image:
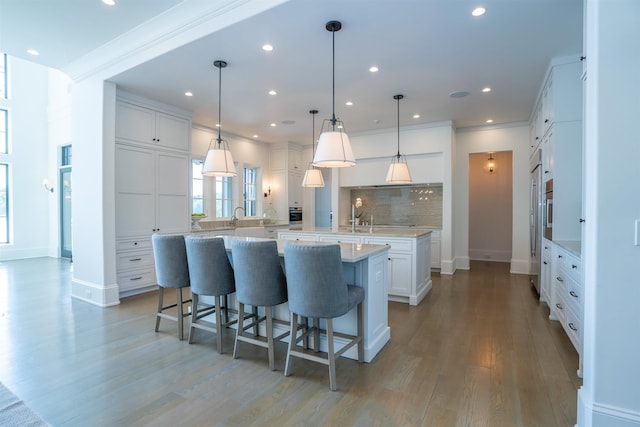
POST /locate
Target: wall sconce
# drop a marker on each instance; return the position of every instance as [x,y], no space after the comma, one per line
[268,192]
[490,164]
[45,182]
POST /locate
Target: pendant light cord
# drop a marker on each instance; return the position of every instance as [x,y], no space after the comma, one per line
[219,103]
[333,76]
[398,127]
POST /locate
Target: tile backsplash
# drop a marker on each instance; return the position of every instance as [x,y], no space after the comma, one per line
[411,205]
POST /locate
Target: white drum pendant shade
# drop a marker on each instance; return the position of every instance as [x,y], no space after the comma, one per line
[334,151]
[218,163]
[313,178]
[398,173]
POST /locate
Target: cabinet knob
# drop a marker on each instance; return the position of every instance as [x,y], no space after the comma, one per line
[582,220]
[574,266]
[559,256]
[544,262]
[546,120]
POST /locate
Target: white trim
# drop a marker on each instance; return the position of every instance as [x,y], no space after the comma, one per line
[520,266]
[100,295]
[589,410]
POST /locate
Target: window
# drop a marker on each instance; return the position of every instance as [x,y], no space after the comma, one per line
[3,75]
[4,141]
[224,192]
[197,192]
[249,191]
[65,155]
[4,203]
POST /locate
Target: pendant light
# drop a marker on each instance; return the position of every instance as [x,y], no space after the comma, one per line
[398,172]
[219,161]
[313,176]
[334,148]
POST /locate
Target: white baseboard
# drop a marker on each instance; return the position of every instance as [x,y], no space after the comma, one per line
[9,252]
[100,295]
[594,414]
[520,266]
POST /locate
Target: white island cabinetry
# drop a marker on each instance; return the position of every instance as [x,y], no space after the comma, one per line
[409,256]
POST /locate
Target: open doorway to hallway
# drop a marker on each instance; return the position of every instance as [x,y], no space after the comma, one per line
[490,206]
[64,183]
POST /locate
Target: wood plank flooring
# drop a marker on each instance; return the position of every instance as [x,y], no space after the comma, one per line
[478,351]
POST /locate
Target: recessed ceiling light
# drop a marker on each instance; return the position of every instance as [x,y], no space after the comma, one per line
[267,47]
[188,93]
[273,125]
[217,125]
[458,94]
[348,103]
[272,92]
[416,116]
[374,69]
[33,52]
[109,2]
[490,121]
[255,136]
[478,11]
[288,122]
[486,89]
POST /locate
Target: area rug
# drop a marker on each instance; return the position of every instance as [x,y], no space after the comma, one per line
[14,412]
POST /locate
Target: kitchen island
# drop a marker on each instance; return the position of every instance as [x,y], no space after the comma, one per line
[409,256]
[364,265]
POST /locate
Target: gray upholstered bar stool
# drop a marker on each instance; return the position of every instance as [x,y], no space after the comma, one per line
[170,256]
[210,274]
[317,289]
[260,282]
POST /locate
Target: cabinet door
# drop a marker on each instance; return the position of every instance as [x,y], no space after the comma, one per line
[172,131]
[135,191]
[295,160]
[399,274]
[172,193]
[135,123]
[547,157]
[295,189]
[547,105]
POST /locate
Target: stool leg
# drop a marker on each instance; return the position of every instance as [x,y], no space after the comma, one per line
[160,302]
[240,327]
[331,355]
[194,316]
[218,324]
[360,334]
[255,327]
[316,334]
[270,349]
[292,342]
[226,309]
[180,317]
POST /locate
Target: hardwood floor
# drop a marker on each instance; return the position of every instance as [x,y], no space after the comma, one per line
[478,351]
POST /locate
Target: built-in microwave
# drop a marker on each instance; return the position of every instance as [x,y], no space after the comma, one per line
[295,215]
[547,215]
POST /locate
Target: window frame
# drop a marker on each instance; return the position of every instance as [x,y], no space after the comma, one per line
[7,197]
[224,197]
[250,191]
[196,175]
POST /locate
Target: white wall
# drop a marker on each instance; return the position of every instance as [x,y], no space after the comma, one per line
[611,259]
[29,203]
[483,140]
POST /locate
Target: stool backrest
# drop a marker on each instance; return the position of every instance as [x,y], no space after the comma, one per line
[170,256]
[210,271]
[259,276]
[315,280]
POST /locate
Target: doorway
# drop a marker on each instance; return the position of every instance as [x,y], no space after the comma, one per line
[323,212]
[64,183]
[491,206]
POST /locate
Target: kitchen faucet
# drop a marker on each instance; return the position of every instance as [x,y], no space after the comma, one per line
[234,218]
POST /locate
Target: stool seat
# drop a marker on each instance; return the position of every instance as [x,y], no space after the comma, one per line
[317,290]
[210,274]
[170,257]
[260,282]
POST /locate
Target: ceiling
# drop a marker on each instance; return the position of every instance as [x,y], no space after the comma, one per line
[425,50]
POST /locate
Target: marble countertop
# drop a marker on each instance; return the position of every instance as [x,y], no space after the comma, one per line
[349,252]
[377,231]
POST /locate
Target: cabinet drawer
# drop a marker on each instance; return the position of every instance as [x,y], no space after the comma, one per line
[561,310]
[138,279]
[395,245]
[573,327]
[298,236]
[135,260]
[574,295]
[573,266]
[339,239]
[128,245]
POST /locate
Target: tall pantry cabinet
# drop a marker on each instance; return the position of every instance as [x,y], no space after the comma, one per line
[152,171]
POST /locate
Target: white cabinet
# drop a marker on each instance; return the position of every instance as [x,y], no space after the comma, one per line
[295,160]
[294,189]
[287,172]
[547,156]
[139,124]
[408,259]
[152,191]
[567,291]
[436,249]
[546,273]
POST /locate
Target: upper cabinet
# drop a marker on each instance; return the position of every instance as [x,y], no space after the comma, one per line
[295,160]
[140,124]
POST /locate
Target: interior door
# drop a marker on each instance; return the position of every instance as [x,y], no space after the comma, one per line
[65,212]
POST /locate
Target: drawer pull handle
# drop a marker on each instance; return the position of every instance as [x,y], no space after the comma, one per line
[544,262]
[136,278]
[574,266]
[573,328]
[573,294]
[559,306]
[559,279]
[135,259]
[559,256]
[135,243]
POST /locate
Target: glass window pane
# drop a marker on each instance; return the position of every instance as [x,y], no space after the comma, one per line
[4,204]
[4,142]
[3,75]
[66,156]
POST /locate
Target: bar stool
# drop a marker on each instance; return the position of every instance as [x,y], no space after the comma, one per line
[260,282]
[210,274]
[317,289]
[170,256]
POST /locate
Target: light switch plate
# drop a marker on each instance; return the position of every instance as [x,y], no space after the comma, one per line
[637,233]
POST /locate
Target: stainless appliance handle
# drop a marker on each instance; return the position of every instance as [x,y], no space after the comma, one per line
[532,225]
